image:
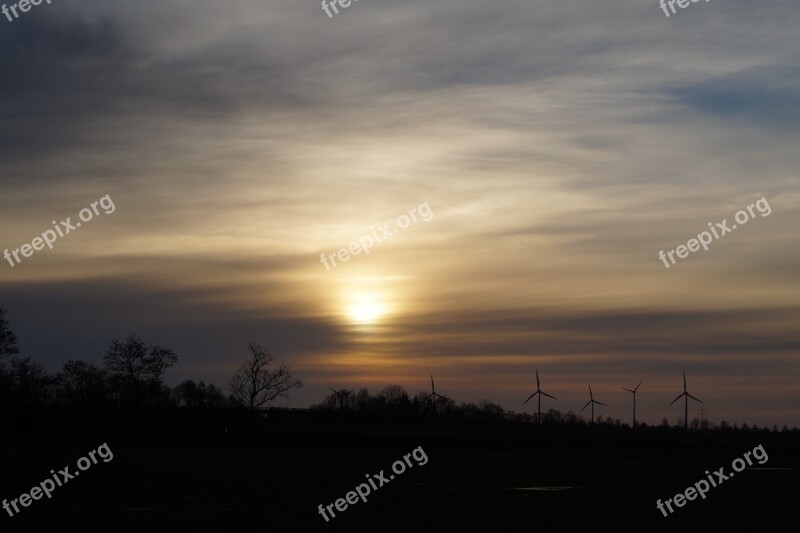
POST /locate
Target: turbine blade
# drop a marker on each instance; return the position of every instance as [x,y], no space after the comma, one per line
[693,398]
[529,397]
[553,397]
[684,381]
[676,399]
[431,380]
[333,391]
[637,386]
[443,397]
[351,392]
[587,405]
[537,379]
[601,403]
[623,388]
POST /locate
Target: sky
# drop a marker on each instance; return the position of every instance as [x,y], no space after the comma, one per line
[558,147]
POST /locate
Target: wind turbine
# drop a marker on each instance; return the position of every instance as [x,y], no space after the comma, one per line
[342,395]
[434,395]
[686,397]
[592,401]
[540,393]
[634,401]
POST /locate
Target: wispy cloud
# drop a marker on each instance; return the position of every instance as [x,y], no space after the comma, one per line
[561,146]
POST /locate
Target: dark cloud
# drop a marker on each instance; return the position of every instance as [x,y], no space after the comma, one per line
[561,144]
[78,319]
[766,96]
[635,333]
[72,82]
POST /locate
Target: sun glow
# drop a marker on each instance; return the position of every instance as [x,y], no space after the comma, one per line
[364,308]
[365,312]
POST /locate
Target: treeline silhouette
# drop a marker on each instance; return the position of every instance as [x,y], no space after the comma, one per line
[128,393]
[393,404]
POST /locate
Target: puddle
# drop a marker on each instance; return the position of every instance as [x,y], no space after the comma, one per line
[545,489]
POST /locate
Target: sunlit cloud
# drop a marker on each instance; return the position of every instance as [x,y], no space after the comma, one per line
[560,145]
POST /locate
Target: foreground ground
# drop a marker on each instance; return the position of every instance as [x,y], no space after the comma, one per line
[471,482]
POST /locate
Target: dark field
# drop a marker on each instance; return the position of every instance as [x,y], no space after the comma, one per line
[607,482]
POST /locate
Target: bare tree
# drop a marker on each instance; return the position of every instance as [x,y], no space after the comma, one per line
[137,361]
[254,384]
[82,383]
[8,340]
[128,358]
[393,398]
[158,360]
[186,394]
[198,395]
[363,400]
[211,397]
[30,383]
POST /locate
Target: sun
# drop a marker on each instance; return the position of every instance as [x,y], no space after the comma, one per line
[365,312]
[365,308]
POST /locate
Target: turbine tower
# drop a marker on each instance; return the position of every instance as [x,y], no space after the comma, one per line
[540,393]
[592,401]
[434,395]
[342,395]
[686,397]
[634,401]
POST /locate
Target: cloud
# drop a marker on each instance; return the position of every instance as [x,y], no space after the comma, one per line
[766,96]
[560,144]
